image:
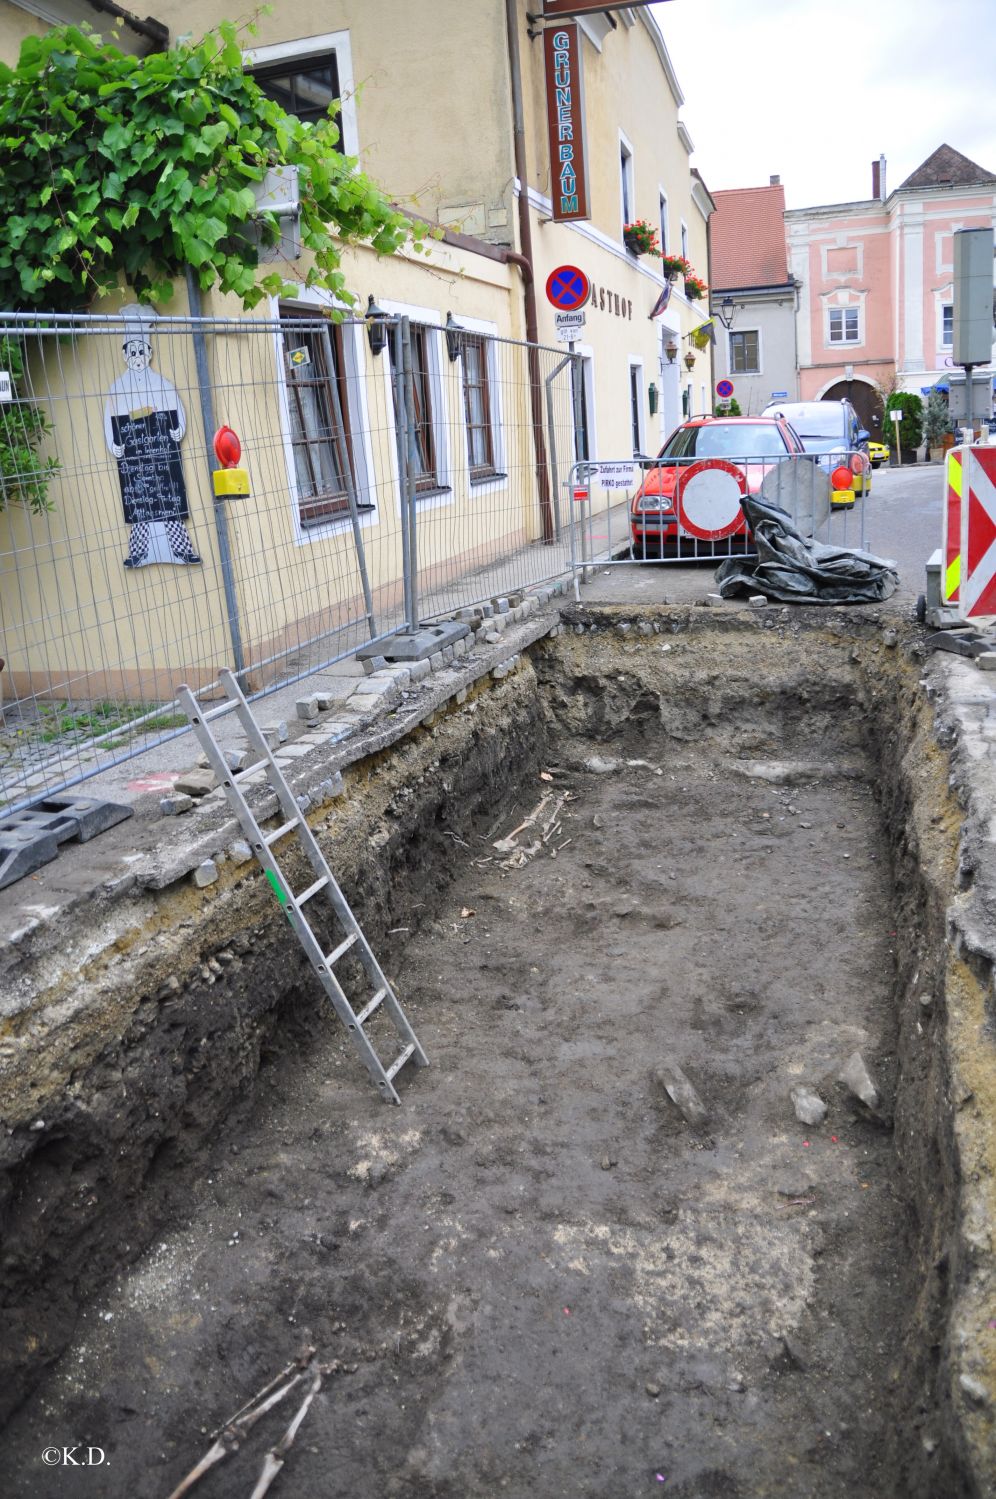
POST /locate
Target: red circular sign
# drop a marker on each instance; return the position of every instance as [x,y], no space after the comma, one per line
[568,288]
[724,389]
[709,495]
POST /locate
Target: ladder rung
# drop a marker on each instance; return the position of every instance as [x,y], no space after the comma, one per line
[249,770]
[399,1062]
[365,1014]
[312,890]
[214,713]
[270,838]
[343,947]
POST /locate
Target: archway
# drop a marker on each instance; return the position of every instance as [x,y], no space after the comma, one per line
[864,398]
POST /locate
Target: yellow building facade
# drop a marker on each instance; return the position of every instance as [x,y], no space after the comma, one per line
[446,108]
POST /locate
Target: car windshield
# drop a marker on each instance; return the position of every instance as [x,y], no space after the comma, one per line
[818,423]
[726,440]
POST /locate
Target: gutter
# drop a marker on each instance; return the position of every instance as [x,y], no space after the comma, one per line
[525,264]
[152,30]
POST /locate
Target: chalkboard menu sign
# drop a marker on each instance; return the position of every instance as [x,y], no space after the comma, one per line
[150,470]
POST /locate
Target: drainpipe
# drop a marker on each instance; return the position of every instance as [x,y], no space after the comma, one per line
[525,263]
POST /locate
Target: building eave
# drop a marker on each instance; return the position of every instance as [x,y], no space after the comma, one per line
[657,37]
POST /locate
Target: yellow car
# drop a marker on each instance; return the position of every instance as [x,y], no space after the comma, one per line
[878,452]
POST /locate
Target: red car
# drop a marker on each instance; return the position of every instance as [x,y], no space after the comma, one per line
[690,499]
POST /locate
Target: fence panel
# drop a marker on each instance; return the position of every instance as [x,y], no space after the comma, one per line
[641,510]
[491,430]
[397,471]
[121,574]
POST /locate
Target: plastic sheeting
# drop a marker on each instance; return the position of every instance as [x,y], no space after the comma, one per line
[793,570]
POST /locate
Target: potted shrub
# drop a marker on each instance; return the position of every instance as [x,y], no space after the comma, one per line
[911,426]
[640,238]
[936,421]
[695,289]
[674,266]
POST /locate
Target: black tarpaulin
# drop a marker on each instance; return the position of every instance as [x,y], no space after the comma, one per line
[794,570]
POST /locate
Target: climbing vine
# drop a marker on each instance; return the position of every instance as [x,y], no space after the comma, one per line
[113,165]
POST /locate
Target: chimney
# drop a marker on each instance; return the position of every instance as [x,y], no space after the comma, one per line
[878,179]
[774,181]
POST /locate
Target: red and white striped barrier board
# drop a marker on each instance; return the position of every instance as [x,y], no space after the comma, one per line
[951,528]
[977,584]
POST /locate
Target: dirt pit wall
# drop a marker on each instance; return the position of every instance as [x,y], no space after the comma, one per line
[198,1004]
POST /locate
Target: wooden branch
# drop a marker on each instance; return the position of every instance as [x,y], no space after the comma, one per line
[277,1456]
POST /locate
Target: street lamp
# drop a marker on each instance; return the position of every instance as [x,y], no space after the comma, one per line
[376,327]
[671,349]
[454,341]
[726,312]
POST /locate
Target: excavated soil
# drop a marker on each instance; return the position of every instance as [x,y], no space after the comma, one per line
[537,1278]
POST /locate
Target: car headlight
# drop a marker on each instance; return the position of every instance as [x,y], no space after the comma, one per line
[661,502]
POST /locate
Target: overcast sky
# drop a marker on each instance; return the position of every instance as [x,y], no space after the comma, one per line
[815,90]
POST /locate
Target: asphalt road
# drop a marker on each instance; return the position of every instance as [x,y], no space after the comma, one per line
[902,522]
[903,519]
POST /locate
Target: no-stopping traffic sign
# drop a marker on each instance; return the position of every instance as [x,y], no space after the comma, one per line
[568,288]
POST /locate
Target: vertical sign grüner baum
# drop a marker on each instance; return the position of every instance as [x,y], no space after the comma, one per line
[565,120]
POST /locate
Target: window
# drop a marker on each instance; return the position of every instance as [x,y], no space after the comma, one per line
[626,178]
[636,407]
[947,325]
[844,325]
[319,423]
[663,217]
[422,443]
[477,405]
[745,353]
[303,86]
[684,240]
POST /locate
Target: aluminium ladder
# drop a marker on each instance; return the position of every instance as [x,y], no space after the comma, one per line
[324,883]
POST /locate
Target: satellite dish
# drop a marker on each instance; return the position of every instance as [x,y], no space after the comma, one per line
[800,487]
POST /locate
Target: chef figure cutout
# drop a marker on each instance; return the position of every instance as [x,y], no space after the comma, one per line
[144,423]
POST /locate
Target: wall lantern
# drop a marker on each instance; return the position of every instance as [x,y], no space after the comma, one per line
[454,338]
[726,312]
[377,320]
[671,350]
[689,360]
[652,398]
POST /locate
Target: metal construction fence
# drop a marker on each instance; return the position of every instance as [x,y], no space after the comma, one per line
[687,509]
[397,471]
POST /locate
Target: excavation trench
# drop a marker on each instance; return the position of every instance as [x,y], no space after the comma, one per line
[538,1277]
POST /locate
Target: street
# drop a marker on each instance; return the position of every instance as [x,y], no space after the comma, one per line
[904,520]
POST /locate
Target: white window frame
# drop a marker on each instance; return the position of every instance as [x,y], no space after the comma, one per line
[303,48]
[635,362]
[944,299]
[684,239]
[364,472]
[627,180]
[437,392]
[664,226]
[487,483]
[843,309]
[738,332]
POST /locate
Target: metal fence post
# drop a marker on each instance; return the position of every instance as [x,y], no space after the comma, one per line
[218,506]
[411,449]
[347,474]
[401,438]
[558,519]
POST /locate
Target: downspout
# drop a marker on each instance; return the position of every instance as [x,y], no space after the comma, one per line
[525,263]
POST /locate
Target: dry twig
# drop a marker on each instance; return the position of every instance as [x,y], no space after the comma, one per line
[277,1456]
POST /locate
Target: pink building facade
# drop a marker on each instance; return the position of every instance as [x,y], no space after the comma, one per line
[876,282]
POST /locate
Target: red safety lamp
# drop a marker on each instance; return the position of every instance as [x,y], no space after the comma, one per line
[230,481]
[227,447]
